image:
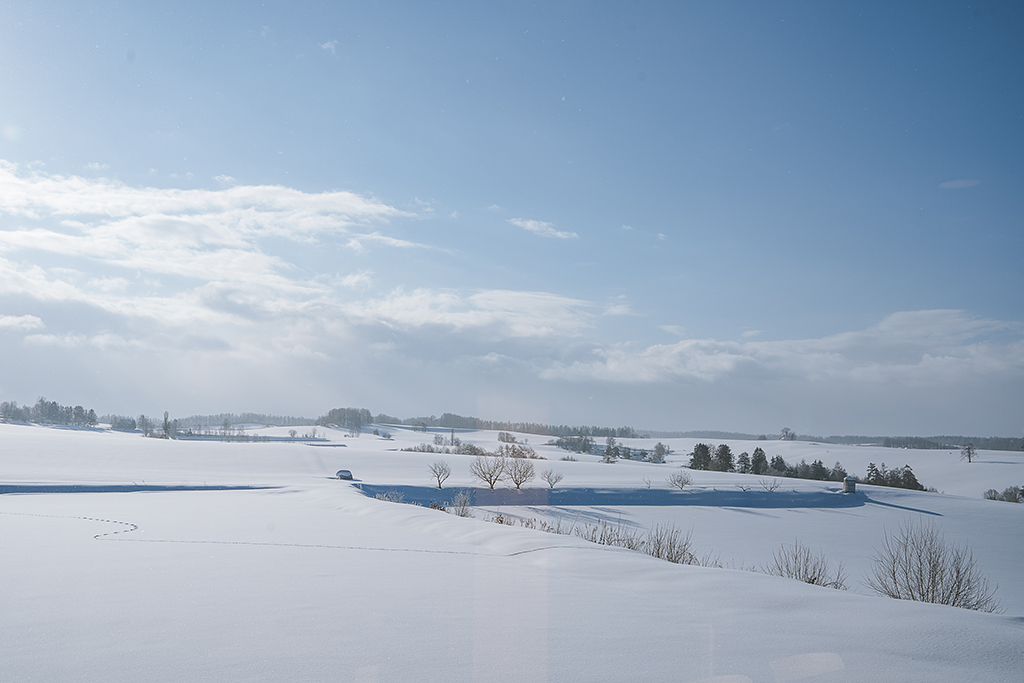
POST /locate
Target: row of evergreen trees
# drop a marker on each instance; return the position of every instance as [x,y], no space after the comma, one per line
[48,412]
[720,459]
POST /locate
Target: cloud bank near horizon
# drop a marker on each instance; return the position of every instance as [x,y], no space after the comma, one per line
[94,271]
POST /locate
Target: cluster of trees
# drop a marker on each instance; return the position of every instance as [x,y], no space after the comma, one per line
[168,429]
[721,459]
[574,444]
[121,423]
[899,477]
[351,419]
[452,444]
[48,412]
[1011,494]
[613,450]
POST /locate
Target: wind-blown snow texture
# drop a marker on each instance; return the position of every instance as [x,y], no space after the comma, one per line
[129,559]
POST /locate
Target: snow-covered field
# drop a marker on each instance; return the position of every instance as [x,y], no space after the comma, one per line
[129,559]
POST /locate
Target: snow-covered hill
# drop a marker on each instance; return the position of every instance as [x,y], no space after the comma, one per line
[110,576]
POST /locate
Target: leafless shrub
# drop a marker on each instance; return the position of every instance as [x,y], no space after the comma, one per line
[617,535]
[646,481]
[798,562]
[915,563]
[569,458]
[555,527]
[488,469]
[441,471]
[551,477]
[434,505]
[528,523]
[520,471]
[391,496]
[769,486]
[669,543]
[741,487]
[680,480]
[502,518]
[461,500]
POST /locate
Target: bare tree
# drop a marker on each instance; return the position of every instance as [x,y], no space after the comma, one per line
[680,480]
[798,562]
[441,471]
[488,469]
[520,471]
[968,453]
[551,477]
[505,437]
[915,563]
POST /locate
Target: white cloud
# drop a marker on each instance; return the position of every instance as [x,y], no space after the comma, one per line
[542,228]
[225,179]
[503,313]
[108,284]
[627,227]
[330,45]
[20,323]
[359,280]
[96,166]
[913,348]
[959,184]
[620,306]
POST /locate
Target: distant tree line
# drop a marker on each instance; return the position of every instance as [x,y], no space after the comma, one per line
[357,417]
[202,421]
[48,412]
[992,443]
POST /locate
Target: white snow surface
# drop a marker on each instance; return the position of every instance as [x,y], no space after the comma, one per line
[117,565]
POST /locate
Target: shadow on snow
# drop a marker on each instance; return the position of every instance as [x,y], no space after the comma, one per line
[115,488]
[424,495]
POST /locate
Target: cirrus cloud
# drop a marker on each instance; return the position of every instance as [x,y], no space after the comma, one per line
[542,228]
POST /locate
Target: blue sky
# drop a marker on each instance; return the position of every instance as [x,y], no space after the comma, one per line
[671,215]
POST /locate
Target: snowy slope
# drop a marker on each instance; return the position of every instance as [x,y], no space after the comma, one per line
[310,579]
